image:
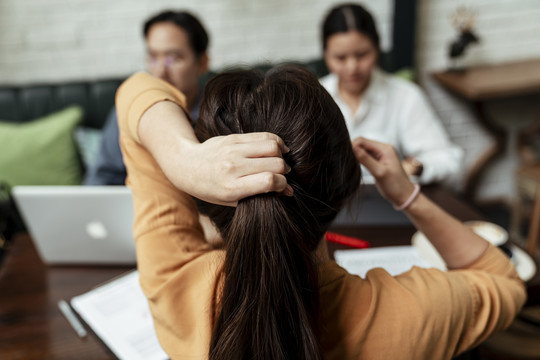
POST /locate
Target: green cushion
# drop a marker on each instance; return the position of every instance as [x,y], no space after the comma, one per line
[42,151]
[405,73]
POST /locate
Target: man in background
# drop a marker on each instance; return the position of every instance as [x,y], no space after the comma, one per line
[176,46]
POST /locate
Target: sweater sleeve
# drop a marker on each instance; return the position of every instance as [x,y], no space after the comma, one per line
[442,314]
[177,270]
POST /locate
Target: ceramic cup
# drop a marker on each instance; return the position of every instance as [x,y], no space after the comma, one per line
[492,233]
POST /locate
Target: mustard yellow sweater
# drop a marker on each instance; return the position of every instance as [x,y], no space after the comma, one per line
[421,314]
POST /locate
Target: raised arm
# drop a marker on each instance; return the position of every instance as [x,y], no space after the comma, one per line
[458,245]
[166,162]
[463,307]
[221,170]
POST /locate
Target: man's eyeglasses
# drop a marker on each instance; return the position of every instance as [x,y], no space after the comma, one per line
[166,61]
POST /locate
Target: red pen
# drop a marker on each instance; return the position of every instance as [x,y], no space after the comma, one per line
[347,240]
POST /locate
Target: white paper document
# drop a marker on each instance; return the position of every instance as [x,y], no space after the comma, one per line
[394,259]
[118,313]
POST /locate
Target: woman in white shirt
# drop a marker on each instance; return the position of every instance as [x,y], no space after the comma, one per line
[380,106]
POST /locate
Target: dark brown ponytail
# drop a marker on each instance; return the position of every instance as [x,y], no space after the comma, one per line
[269,305]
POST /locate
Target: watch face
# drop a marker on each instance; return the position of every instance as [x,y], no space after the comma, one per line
[412,166]
[418,166]
[419,169]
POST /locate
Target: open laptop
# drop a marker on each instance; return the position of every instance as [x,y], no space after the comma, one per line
[370,209]
[79,224]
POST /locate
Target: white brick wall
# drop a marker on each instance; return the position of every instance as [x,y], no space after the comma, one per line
[56,40]
[48,40]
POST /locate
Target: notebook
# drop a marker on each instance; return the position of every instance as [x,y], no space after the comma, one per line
[79,224]
[118,313]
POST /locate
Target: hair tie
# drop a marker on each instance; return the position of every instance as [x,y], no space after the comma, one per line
[411,198]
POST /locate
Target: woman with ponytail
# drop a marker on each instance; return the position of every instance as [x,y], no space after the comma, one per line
[273,311]
[271,164]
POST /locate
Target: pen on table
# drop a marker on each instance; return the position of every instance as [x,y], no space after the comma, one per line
[71,318]
[347,240]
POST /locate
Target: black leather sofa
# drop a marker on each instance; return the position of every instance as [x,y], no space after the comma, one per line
[23,103]
[27,102]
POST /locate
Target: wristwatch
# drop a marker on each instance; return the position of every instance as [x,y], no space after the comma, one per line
[419,167]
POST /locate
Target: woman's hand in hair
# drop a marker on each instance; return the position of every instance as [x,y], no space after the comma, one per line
[226,169]
[384,164]
[223,169]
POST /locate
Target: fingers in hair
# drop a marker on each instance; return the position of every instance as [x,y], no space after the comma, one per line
[263,148]
[274,165]
[258,137]
[264,183]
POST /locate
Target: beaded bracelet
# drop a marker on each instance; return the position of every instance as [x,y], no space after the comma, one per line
[411,198]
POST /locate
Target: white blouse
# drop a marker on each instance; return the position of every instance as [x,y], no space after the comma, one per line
[395,111]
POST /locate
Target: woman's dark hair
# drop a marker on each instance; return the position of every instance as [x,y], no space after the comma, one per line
[198,38]
[268,308]
[347,17]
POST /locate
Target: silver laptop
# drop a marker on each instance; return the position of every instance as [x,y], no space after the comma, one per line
[79,224]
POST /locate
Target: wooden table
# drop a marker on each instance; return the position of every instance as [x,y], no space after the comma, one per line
[31,327]
[481,84]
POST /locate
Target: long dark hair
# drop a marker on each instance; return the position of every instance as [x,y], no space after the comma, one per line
[268,308]
[346,17]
